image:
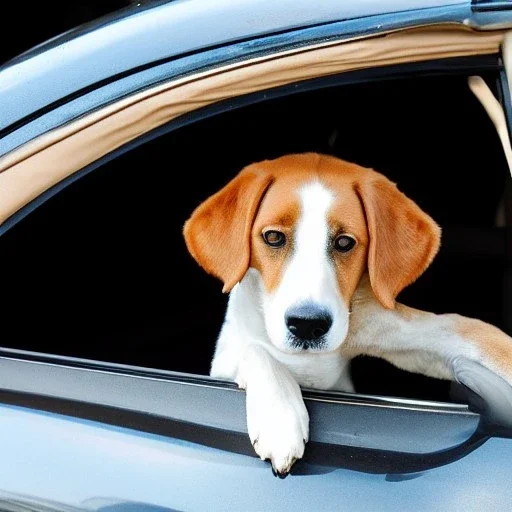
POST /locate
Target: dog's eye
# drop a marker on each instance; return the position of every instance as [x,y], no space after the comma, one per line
[274,238]
[344,243]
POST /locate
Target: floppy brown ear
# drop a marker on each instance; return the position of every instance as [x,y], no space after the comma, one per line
[218,234]
[403,238]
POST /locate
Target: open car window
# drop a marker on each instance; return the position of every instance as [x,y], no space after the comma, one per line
[109,251]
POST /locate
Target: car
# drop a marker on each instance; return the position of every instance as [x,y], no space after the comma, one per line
[112,133]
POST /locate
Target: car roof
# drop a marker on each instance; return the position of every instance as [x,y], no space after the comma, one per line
[137,37]
[194,24]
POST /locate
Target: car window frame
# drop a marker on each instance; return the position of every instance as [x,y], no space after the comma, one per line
[130,75]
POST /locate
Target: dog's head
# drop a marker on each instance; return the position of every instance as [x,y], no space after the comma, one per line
[310,226]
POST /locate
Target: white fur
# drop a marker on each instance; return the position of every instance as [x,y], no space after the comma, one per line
[277,419]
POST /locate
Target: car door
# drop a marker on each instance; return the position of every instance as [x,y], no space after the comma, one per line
[101,417]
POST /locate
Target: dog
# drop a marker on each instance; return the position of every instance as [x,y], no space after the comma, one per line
[313,251]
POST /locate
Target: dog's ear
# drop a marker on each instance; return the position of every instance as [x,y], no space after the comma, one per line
[403,238]
[218,234]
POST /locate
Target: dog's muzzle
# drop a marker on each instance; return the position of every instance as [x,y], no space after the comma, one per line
[307,325]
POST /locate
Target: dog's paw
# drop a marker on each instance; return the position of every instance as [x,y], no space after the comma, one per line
[278,428]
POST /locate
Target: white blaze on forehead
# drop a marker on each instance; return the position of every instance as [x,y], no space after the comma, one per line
[312,232]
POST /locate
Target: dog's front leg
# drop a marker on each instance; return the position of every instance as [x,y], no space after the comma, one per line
[277,419]
[418,341]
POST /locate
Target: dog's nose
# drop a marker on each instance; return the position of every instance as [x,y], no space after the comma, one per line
[308,322]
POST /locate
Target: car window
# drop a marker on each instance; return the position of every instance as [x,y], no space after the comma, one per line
[101,271]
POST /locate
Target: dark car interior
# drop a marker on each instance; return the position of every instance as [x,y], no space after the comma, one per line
[101,271]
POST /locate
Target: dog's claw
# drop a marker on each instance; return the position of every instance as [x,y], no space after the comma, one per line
[279,474]
[284,472]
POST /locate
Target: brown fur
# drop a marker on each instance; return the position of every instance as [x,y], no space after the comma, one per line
[492,342]
[218,232]
[403,238]
[279,211]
